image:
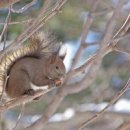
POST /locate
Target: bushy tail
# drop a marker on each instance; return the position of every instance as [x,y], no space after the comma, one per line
[40,44]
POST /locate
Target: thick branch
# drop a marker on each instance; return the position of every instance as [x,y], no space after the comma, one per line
[22,99]
[53,105]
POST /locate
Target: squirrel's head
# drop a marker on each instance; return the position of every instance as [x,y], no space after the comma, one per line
[55,67]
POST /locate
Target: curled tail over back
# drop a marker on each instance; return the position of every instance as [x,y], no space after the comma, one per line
[40,44]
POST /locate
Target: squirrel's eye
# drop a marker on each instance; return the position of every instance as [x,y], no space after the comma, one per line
[57,67]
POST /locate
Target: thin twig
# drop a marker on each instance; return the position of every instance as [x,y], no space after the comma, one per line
[117,37]
[4,33]
[17,22]
[118,49]
[26,7]
[61,93]
[20,115]
[89,77]
[122,30]
[23,99]
[5,25]
[102,12]
[34,27]
[40,123]
[86,28]
[113,101]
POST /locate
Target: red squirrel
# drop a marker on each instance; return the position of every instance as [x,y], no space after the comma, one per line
[36,65]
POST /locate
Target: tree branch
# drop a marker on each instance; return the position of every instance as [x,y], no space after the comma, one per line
[41,19]
[113,101]
[23,99]
[124,126]
[77,87]
[26,7]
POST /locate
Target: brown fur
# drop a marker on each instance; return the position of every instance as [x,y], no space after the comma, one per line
[40,72]
[40,45]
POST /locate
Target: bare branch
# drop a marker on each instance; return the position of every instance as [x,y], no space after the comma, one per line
[36,24]
[104,11]
[124,126]
[113,101]
[26,7]
[118,36]
[22,99]
[86,28]
[18,22]
[3,34]
[5,25]
[89,77]
[122,30]
[20,115]
[93,62]
[121,50]
[52,107]
[67,89]
[7,3]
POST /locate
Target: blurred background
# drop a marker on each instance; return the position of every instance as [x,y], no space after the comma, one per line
[112,76]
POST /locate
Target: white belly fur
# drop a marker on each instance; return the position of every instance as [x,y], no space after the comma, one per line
[35,87]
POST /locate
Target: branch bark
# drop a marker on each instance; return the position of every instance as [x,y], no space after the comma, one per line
[23,99]
[113,101]
[41,19]
[94,61]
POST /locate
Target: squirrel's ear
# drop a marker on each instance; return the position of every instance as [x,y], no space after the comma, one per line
[52,59]
[62,52]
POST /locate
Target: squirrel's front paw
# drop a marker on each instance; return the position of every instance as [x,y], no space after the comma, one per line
[30,92]
[55,82]
[58,82]
[51,83]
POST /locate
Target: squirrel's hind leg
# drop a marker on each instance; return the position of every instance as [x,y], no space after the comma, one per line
[18,84]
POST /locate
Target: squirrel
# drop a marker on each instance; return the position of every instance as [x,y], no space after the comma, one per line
[34,66]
